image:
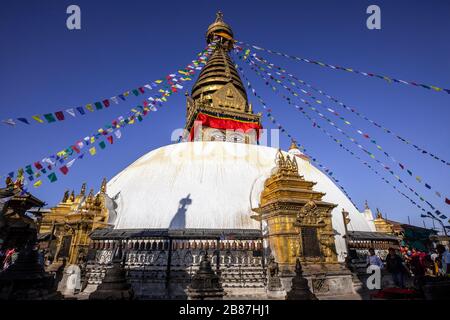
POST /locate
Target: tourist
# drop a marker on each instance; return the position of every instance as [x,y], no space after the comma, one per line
[418,268]
[444,259]
[395,266]
[373,259]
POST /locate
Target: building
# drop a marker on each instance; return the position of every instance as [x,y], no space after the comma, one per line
[218,193]
[64,230]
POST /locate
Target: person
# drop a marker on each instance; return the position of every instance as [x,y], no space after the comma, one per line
[418,267]
[444,258]
[373,259]
[394,264]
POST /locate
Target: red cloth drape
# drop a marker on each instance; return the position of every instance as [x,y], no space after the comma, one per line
[223,123]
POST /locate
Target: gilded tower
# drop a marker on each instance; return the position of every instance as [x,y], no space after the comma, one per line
[218,108]
[298,220]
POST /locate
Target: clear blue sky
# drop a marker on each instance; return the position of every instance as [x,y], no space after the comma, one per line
[124,44]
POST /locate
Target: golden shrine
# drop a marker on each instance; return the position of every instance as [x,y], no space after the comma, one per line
[71,221]
[298,221]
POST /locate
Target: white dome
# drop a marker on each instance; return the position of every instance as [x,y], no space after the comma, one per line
[210,185]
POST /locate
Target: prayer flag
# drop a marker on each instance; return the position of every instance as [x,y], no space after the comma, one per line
[71,112]
[37,184]
[92,151]
[38,165]
[38,119]
[24,120]
[141,90]
[110,139]
[447,201]
[81,110]
[98,105]
[89,107]
[64,169]
[102,144]
[70,163]
[49,117]
[118,134]
[106,103]
[59,115]
[52,177]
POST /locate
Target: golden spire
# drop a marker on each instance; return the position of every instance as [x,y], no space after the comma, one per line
[379,215]
[293,145]
[103,187]
[83,189]
[219,70]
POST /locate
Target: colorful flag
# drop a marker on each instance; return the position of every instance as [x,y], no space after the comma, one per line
[70,163]
[64,169]
[110,139]
[37,184]
[98,105]
[38,165]
[24,120]
[118,134]
[102,144]
[92,151]
[9,121]
[38,119]
[106,103]
[52,177]
[49,117]
[71,112]
[59,115]
[90,107]
[81,110]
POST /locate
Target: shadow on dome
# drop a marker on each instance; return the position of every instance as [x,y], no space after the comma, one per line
[179,219]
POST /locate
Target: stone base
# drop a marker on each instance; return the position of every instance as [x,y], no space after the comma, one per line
[323,280]
[276,294]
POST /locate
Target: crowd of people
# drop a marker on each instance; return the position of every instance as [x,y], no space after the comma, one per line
[412,263]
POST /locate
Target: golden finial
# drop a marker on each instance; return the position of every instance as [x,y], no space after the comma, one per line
[66,196]
[219,16]
[280,162]
[72,196]
[379,215]
[293,145]
[103,187]
[9,182]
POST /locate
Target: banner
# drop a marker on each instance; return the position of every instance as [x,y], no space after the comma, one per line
[219,122]
[268,113]
[341,104]
[51,162]
[102,104]
[367,74]
[267,82]
[359,131]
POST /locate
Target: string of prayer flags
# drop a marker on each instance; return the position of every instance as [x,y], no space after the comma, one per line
[138,112]
[106,103]
[352,70]
[267,82]
[268,113]
[379,148]
[341,104]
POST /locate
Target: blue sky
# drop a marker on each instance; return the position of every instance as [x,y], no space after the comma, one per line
[44,67]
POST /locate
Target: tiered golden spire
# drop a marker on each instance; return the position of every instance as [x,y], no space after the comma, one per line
[219,70]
